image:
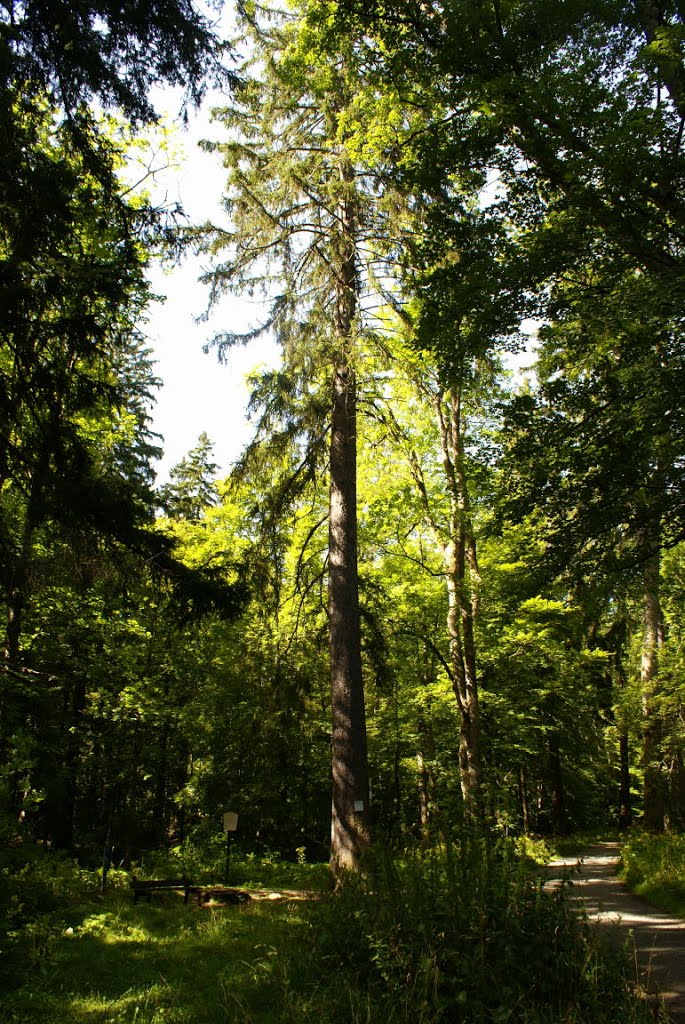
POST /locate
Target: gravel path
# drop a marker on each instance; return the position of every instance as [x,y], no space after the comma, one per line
[658,938]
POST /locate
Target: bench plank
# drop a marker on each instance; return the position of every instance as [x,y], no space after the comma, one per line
[148,886]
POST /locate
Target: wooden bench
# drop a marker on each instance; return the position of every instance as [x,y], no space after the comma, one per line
[147,887]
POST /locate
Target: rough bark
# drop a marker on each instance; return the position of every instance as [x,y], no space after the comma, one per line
[676,792]
[426,779]
[350,813]
[350,818]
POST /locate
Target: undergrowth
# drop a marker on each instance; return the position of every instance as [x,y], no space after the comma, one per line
[654,867]
[464,934]
[208,865]
[461,934]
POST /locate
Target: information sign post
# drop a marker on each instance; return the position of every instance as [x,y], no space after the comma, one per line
[230,828]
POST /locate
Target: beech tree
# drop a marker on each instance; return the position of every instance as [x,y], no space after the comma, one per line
[444,499]
[578,121]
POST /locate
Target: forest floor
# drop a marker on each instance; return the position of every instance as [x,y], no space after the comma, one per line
[84,957]
[655,939]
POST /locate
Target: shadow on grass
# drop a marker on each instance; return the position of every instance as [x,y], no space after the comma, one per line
[177,965]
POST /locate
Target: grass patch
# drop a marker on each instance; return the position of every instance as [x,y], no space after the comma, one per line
[161,962]
[653,866]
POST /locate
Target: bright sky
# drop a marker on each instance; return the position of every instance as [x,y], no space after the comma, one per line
[198,393]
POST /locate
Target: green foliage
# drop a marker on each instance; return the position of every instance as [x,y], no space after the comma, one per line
[463,933]
[654,867]
[203,861]
[206,863]
[191,490]
[187,859]
[76,448]
[534,851]
[567,126]
[35,888]
[514,169]
[459,933]
[89,49]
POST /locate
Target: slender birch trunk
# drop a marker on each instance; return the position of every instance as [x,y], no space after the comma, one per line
[463,577]
[625,813]
[426,778]
[653,639]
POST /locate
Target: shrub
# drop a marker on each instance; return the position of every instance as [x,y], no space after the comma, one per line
[654,867]
[464,934]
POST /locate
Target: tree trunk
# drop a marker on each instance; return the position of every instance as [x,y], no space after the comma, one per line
[653,638]
[462,576]
[350,815]
[424,760]
[424,795]
[625,814]
[676,792]
[161,789]
[465,689]
[14,707]
[462,589]
[541,815]
[351,812]
[558,808]
[60,812]
[523,799]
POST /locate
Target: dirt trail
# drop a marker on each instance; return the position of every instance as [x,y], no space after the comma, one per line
[658,938]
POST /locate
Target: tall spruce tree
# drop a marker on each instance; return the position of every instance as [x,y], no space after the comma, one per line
[192,483]
[74,282]
[298,222]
